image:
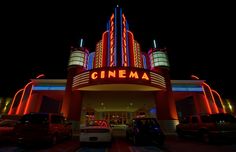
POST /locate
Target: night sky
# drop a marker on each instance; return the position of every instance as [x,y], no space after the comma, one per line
[199,37]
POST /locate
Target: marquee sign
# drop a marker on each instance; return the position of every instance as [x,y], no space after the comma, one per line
[121,75]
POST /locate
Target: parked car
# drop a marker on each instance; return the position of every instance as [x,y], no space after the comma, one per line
[7,132]
[208,127]
[96,131]
[141,130]
[42,127]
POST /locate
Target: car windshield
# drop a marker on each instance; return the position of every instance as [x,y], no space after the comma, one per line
[146,122]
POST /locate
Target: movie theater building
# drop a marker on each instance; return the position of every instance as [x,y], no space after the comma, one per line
[118,82]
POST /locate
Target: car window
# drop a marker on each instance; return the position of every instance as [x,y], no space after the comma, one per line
[57,119]
[34,119]
[206,118]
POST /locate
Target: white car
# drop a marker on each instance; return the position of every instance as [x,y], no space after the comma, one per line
[96,131]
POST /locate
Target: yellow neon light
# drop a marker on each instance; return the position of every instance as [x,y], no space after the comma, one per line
[122,74]
[133,75]
[102,74]
[94,75]
[145,76]
[111,74]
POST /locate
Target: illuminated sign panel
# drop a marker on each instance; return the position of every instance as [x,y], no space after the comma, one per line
[112,41]
[120,74]
[124,43]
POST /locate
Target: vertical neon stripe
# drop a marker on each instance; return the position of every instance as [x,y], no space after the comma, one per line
[127,44]
[21,100]
[115,37]
[108,44]
[206,101]
[28,101]
[221,101]
[13,101]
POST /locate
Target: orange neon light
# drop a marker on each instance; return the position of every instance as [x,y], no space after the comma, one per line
[28,100]
[112,41]
[206,101]
[94,75]
[124,51]
[102,74]
[133,74]
[214,103]
[13,101]
[103,53]
[112,74]
[20,104]
[194,77]
[145,76]
[221,101]
[132,49]
[39,76]
[121,74]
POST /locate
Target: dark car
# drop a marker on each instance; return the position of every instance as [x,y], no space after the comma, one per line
[42,127]
[208,127]
[7,132]
[145,130]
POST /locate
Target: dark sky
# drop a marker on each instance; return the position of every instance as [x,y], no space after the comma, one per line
[199,37]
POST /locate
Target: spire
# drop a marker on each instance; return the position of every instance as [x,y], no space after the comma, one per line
[154,44]
[81,43]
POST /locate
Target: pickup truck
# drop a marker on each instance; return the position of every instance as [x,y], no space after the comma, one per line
[208,127]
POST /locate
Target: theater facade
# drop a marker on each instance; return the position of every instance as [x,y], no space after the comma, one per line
[118,82]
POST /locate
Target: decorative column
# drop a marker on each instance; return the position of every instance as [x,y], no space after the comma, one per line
[72,101]
[165,104]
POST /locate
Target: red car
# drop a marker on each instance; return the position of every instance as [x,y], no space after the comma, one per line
[42,127]
[7,132]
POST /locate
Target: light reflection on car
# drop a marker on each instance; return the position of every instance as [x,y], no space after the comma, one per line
[96,131]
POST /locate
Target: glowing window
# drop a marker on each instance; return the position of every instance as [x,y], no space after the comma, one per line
[158,59]
[78,58]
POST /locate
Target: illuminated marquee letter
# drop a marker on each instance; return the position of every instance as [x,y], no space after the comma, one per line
[102,74]
[94,75]
[133,75]
[145,76]
[122,74]
[112,74]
